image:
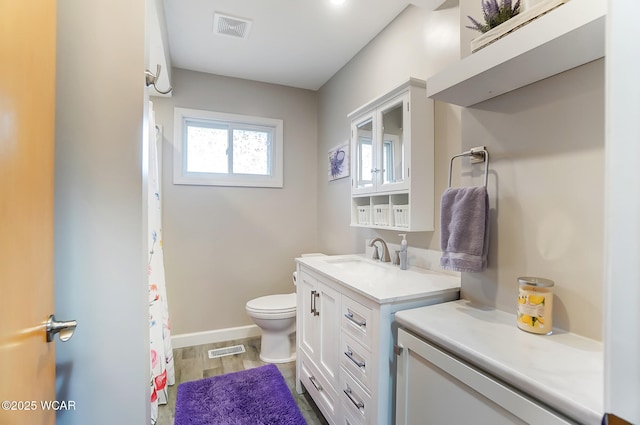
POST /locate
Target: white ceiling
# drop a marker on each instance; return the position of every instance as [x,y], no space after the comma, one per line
[298,43]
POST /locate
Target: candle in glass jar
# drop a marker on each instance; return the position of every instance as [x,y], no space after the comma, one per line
[535,305]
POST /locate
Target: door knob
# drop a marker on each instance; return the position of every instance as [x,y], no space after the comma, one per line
[64,328]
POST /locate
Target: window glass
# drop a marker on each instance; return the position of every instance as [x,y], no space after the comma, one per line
[251,152]
[214,148]
[207,149]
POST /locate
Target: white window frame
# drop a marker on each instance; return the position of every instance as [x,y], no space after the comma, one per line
[182,176]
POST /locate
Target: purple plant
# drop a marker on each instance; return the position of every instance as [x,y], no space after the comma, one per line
[495,14]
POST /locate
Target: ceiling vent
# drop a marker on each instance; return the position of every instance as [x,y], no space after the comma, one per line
[231,26]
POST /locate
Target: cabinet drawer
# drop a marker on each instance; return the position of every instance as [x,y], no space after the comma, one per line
[348,419]
[356,402]
[356,321]
[357,360]
[322,393]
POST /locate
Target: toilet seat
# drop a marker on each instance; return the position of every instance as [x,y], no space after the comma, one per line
[280,304]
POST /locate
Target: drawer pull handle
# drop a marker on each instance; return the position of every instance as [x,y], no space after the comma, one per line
[358,404]
[349,315]
[313,307]
[349,354]
[315,384]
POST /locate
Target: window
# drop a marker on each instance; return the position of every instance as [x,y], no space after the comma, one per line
[219,149]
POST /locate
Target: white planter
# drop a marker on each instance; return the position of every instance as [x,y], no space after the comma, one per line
[529,10]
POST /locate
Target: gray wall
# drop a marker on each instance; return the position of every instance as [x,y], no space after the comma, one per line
[418,43]
[546,190]
[226,245]
[100,277]
[546,183]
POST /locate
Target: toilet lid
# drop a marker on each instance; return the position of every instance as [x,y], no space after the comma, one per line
[280,303]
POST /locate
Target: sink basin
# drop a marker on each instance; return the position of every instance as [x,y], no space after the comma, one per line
[345,260]
[357,265]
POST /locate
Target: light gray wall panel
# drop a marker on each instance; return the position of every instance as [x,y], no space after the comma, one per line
[100,232]
[227,245]
[418,43]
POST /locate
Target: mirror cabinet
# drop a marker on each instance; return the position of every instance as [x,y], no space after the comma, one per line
[392,160]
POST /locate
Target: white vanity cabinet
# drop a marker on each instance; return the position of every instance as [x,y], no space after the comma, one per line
[437,388]
[460,363]
[392,148]
[345,336]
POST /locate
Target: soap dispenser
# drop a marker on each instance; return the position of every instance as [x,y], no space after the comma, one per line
[403,252]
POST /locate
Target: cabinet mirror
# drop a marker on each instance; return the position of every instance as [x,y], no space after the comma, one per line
[392,148]
[364,153]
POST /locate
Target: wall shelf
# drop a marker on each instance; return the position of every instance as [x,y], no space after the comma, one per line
[567,37]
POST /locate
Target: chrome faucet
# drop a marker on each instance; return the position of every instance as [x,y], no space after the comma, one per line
[385,251]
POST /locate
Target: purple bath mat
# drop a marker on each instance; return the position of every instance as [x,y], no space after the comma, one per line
[251,397]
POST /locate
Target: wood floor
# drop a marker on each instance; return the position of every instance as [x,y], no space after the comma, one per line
[192,363]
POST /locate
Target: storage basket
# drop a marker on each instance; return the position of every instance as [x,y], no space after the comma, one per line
[381,215]
[364,214]
[401,215]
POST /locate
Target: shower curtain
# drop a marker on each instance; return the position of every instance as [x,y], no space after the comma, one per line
[162,372]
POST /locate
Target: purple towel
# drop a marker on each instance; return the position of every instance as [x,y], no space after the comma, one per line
[464,234]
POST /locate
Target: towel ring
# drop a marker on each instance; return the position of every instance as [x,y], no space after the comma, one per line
[478,154]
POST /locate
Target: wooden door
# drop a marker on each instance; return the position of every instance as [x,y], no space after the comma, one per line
[27,104]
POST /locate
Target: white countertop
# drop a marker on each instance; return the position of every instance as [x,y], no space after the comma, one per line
[563,370]
[382,282]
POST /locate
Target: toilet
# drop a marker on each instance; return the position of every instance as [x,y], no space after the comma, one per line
[275,315]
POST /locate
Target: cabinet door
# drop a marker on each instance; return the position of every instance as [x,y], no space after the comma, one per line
[328,307]
[392,150]
[363,133]
[434,387]
[309,336]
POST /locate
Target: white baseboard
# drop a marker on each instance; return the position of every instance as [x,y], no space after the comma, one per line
[210,337]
